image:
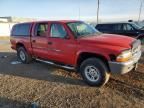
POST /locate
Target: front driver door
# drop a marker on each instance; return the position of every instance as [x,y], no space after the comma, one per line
[62,47]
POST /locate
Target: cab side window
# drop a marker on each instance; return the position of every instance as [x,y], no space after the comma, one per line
[58,31]
[41,29]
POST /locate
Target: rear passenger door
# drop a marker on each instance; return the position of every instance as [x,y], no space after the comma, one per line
[39,40]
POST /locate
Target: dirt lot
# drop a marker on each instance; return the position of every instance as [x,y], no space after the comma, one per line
[39,84]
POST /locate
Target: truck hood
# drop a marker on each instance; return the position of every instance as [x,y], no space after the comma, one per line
[108,39]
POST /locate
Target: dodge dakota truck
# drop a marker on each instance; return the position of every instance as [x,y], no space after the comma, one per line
[75,45]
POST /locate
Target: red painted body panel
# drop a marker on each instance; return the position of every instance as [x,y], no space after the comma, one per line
[110,39]
[68,50]
[39,44]
[22,40]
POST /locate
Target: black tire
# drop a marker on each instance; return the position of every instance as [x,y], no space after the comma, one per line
[27,58]
[102,72]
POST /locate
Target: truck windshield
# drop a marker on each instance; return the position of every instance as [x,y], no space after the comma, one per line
[81,29]
[136,26]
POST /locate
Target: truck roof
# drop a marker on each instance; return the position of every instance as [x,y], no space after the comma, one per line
[62,21]
[115,23]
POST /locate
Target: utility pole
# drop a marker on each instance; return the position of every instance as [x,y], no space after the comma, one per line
[140,9]
[98,2]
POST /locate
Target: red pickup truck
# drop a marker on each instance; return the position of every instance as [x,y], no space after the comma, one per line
[75,45]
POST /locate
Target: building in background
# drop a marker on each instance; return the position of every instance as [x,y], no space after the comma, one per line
[15,19]
[5,19]
[6,23]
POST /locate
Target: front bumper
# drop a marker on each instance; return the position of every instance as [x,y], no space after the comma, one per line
[124,67]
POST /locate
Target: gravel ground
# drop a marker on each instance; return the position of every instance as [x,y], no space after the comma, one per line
[45,86]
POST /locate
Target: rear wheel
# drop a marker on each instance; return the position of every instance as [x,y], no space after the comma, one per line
[23,56]
[94,72]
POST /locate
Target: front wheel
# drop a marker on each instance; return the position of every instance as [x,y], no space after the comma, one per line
[94,72]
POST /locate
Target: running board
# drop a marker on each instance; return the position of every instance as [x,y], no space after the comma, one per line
[52,63]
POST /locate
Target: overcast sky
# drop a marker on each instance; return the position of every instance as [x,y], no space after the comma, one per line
[110,10]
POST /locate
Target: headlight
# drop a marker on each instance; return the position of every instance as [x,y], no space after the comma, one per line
[124,56]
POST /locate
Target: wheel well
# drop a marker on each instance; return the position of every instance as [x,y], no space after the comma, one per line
[19,45]
[85,56]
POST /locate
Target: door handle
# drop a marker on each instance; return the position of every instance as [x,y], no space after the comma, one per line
[50,43]
[33,41]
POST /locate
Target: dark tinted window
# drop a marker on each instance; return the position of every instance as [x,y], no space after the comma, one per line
[21,30]
[127,27]
[57,30]
[41,29]
[109,27]
[117,27]
[105,27]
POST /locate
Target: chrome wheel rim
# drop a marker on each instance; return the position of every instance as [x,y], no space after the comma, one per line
[22,56]
[92,73]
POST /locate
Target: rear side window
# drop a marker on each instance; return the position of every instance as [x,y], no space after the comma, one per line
[117,27]
[105,27]
[99,27]
[21,30]
[113,27]
[41,29]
